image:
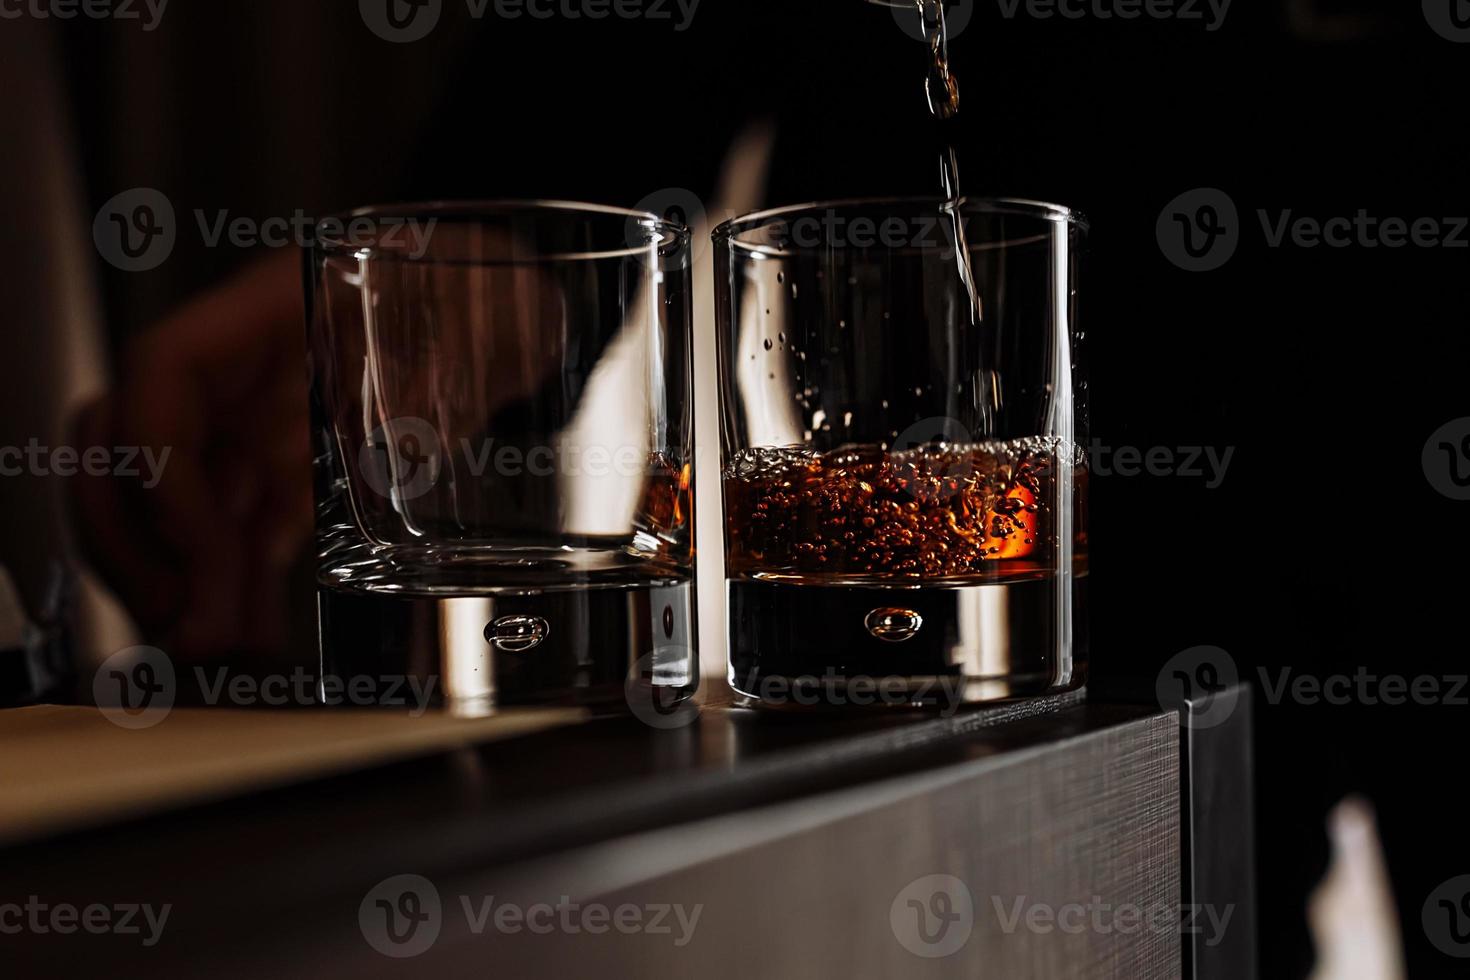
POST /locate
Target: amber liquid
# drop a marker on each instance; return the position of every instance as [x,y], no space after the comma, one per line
[977,550]
[863,513]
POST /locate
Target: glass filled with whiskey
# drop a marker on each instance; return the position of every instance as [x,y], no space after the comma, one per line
[503,430]
[904,414]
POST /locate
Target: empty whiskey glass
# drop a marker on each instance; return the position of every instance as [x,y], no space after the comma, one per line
[503,431]
[903,406]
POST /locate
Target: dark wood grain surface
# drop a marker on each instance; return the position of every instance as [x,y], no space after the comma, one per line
[1088,791]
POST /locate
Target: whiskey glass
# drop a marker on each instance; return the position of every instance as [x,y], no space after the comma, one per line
[503,436]
[903,419]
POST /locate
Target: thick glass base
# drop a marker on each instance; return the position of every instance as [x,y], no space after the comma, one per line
[842,646]
[472,653]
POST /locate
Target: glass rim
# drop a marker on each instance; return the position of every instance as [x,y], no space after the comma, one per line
[669,233]
[1042,210]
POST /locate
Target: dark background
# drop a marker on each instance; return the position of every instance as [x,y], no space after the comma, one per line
[1326,369]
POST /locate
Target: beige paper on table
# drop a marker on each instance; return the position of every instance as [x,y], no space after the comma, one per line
[63,768]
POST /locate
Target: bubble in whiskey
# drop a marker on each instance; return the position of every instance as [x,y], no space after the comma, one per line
[517,634]
[894,625]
